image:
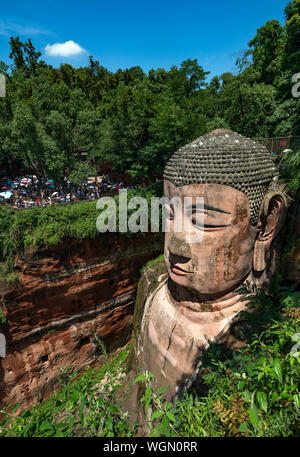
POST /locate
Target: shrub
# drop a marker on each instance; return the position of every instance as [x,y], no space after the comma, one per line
[44,227]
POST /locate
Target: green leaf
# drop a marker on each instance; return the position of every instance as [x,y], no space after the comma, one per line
[148,393]
[262,401]
[112,409]
[59,434]
[82,405]
[243,427]
[140,378]
[162,389]
[247,396]
[297,401]
[278,370]
[48,432]
[116,386]
[254,416]
[45,425]
[28,430]
[75,396]
[108,423]
[274,396]
[251,369]
[165,426]
[156,415]
[171,417]
[25,413]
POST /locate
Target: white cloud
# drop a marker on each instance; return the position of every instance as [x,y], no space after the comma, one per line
[66,49]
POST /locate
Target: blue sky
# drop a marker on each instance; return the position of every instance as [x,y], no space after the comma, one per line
[152,34]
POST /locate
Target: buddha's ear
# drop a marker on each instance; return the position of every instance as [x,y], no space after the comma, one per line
[272,215]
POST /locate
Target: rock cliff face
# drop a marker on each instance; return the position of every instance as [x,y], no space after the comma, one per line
[67,294]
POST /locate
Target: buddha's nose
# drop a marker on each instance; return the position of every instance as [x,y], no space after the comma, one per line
[179,246]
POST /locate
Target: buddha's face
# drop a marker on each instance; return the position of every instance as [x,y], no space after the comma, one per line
[222,258]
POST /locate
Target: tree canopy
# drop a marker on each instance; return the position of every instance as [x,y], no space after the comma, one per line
[134,121]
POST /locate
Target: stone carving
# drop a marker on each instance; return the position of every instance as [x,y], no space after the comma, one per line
[197,299]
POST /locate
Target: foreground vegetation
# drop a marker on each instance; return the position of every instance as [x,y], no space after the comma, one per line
[85,406]
[250,392]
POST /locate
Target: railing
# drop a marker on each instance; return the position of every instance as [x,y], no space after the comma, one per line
[278,145]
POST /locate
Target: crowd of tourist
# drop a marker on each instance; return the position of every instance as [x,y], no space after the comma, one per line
[30,191]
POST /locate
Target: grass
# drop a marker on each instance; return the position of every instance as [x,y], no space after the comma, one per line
[152,262]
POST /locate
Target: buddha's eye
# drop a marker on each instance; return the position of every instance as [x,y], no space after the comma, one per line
[210,220]
[198,219]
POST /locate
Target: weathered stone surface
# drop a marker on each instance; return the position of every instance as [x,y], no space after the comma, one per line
[214,246]
[65,295]
[224,157]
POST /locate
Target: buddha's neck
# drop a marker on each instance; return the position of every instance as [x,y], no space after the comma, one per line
[206,303]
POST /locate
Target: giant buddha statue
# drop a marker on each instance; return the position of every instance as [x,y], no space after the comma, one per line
[195,297]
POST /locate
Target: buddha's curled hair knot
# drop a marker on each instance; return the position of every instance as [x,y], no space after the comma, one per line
[225,157]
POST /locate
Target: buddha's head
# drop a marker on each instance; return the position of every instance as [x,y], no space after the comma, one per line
[239,217]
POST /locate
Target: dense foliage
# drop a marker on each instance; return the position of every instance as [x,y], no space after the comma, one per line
[43,227]
[253,391]
[86,405]
[133,120]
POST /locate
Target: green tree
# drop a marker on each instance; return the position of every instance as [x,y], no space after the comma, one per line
[267,46]
[80,172]
[291,56]
[246,105]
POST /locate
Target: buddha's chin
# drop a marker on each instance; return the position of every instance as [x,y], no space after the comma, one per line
[201,288]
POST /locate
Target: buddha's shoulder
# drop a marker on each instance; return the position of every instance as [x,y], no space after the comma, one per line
[154,276]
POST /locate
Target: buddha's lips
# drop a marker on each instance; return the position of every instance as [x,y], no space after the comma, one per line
[178,270]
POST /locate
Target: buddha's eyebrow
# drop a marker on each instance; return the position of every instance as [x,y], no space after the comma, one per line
[211,208]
